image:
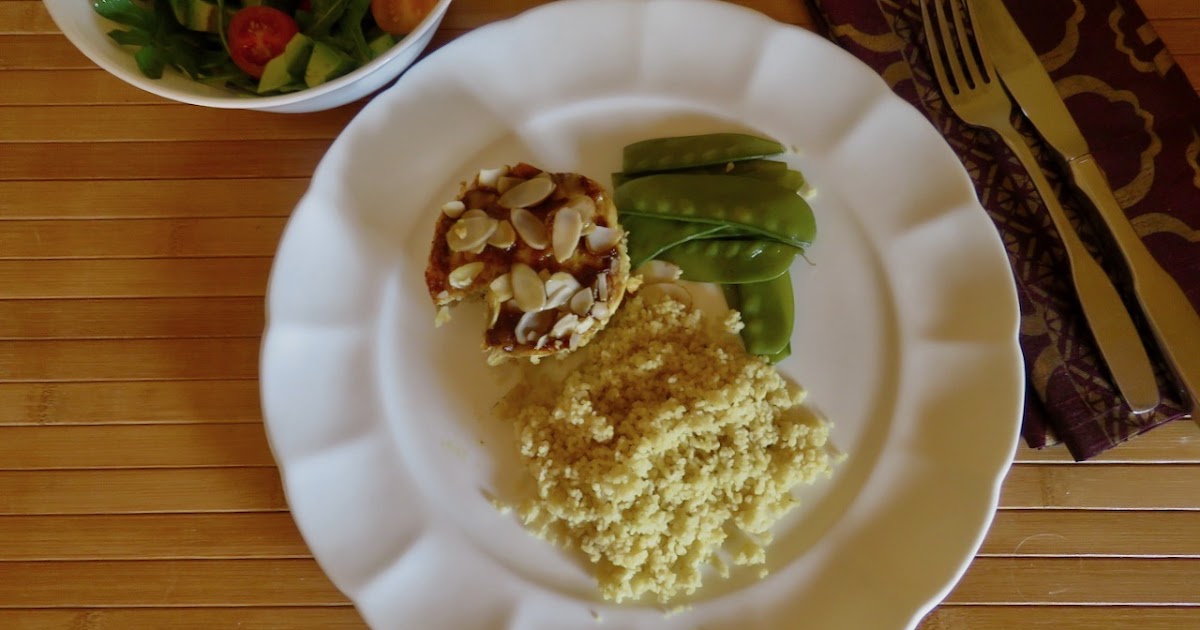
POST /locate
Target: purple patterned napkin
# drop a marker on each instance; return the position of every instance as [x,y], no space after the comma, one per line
[1142,120]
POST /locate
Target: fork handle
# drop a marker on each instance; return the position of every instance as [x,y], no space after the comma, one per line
[1111,325]
[1172,318]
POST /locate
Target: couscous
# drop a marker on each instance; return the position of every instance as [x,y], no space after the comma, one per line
[666,448]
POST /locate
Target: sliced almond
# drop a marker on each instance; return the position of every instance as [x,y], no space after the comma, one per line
[462,277]
[530,228]
[603,239]
[565,235]
[501,287]
[581,302]
[585,325]
[505,183]
[658,292]
[467,234]
[443,316]
[475,213]
[542,342]
[655,271]
[533,325]
[584,205]
[574,341]
[489,177]
[528,289]
[564,326]
[454,209]
[602,288]
[560,287]
[600,310]
[504,236]
[527,193]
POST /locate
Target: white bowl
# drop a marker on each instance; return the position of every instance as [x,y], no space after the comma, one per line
[87,30]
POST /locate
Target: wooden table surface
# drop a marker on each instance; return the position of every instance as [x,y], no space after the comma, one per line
[136,486]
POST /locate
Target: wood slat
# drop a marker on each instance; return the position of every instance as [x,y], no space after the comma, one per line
[1182,36]
[150,536]
[1117,486]
[140,238]
[25,18]
[139,491]
[131,318]
[1175,442]
[1060,618]
[133,446]
[243,618]
[138,402]
[151,277]
[90,86]
[167,123]
[40,52]
[1165,9]
[132,359]
[1093,533]
[149,199]
[1191,67]
[162,160]
[1089,581]
[297,582]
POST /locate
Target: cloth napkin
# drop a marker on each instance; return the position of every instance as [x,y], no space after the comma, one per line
[1141,117]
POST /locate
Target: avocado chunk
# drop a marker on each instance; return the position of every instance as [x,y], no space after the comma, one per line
[288,67]
[199,15]
[381,44]
[326,64]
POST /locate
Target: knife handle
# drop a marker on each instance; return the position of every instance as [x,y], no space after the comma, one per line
[1172,319]
[1112,327]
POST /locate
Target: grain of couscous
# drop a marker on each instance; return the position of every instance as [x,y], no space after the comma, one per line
[666,439]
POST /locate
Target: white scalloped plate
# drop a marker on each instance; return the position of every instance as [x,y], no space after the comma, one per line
[905,335]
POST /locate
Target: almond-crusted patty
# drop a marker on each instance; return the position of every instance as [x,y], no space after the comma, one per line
[543,249]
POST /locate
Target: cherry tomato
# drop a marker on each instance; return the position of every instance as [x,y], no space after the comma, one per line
[257,35]
[400,17]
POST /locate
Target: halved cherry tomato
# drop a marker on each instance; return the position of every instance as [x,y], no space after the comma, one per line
[257,35]
[400,17]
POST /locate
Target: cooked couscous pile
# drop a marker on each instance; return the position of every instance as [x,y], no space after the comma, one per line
[666,441]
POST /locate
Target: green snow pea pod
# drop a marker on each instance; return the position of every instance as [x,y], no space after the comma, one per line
[664,154]
[767,170]
[768,314]
[781,355]
[650,236]
[762,207]
[730,261]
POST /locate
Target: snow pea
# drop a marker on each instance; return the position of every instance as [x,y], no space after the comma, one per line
[730,261]
[768,170]
[664,154]
[768,312]
[650,236]
[758,206]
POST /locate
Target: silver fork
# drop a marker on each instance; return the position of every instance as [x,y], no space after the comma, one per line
[972,89]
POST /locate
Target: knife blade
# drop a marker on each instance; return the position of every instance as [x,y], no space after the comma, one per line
[1171,316]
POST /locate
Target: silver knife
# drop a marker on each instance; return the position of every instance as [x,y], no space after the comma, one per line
[1175,324]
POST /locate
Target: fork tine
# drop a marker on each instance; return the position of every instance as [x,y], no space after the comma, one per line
[964,42]
[952,59]
[935,49]
[988,68]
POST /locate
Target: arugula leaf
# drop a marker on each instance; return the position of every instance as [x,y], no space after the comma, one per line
[161,41]
[125,12]
[150,61]
[350,30]
[325,14]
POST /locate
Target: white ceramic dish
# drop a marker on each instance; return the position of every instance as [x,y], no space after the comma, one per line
[906,331]
[88,32]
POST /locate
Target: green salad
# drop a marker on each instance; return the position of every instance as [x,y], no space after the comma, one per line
[253,46]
